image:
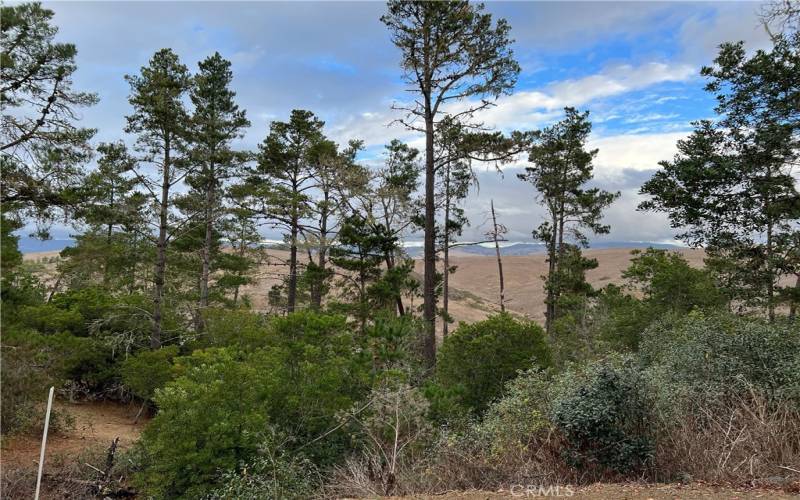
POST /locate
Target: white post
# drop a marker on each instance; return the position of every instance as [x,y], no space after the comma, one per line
[44,442]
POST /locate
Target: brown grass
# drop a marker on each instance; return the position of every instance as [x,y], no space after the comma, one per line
[749,441]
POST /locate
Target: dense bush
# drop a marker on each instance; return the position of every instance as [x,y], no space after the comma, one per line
[669,283]
[147,371]
[209,420]
[32,362]
[237,327]
[213,415]
[272,473]
[319,366]
[605,413]
[714,355]
[516,419]
[477,359]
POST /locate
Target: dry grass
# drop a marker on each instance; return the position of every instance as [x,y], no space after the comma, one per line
[749,441]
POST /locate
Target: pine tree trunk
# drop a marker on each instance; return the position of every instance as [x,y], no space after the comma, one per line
[389,259]
[429,284]
[161,251]
[316,286]
[793,302]
[291,296]
[446,250]
[551,276]
[499,261]
[209,223]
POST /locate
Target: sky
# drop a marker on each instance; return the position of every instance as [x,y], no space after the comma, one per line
[635,66]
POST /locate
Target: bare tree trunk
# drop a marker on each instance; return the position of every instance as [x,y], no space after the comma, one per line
[161,251]
[793,302]
[316,286]
[429,284]
[551,274]
[291,295]
[206,269]
[446,273]
[495,234]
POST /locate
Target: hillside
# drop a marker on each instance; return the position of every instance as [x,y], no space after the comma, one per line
[474,286]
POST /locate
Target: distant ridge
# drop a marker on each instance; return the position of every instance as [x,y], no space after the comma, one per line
[518,249]
[31,245]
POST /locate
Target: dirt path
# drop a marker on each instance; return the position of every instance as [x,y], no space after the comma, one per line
[634,491]
[96,425]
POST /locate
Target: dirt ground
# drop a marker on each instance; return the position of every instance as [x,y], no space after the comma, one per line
[633,491]
[96,425]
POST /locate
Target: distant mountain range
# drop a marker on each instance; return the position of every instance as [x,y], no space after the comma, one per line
[534,248]
[29,245]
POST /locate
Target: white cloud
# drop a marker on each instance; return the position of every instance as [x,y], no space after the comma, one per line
[533,108]
[701,34]
[632,152]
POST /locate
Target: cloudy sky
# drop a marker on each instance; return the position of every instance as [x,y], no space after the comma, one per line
[634,65]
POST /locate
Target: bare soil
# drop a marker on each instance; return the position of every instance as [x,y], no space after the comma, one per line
[96,425]
[631,491]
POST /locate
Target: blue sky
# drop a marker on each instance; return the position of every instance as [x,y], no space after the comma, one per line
[634,65]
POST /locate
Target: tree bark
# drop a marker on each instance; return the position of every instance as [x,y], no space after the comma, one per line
[291,295]
[389,258]
[161,250]
[499,261]
[446,250]
[429,284]
[206,269]
[551,272]
[316,287]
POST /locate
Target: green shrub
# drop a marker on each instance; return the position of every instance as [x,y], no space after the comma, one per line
[213,415]
[209,420]
[605,413]
[50,319]
[516,419]
[33,362]
[320,367]
[238,327]
[147,371]
[669,283]
[714,355]
[273,473]
[476,360]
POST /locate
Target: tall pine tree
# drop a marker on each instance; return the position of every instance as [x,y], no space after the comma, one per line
[561,168]
[160,121]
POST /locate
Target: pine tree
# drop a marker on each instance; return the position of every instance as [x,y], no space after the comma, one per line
[335,177]
[42,147]
[282,182]
[114,212]
[360,252]
[561,168]
[394,188]
[451,52]
[731,184]
[216,122]
[160,121]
